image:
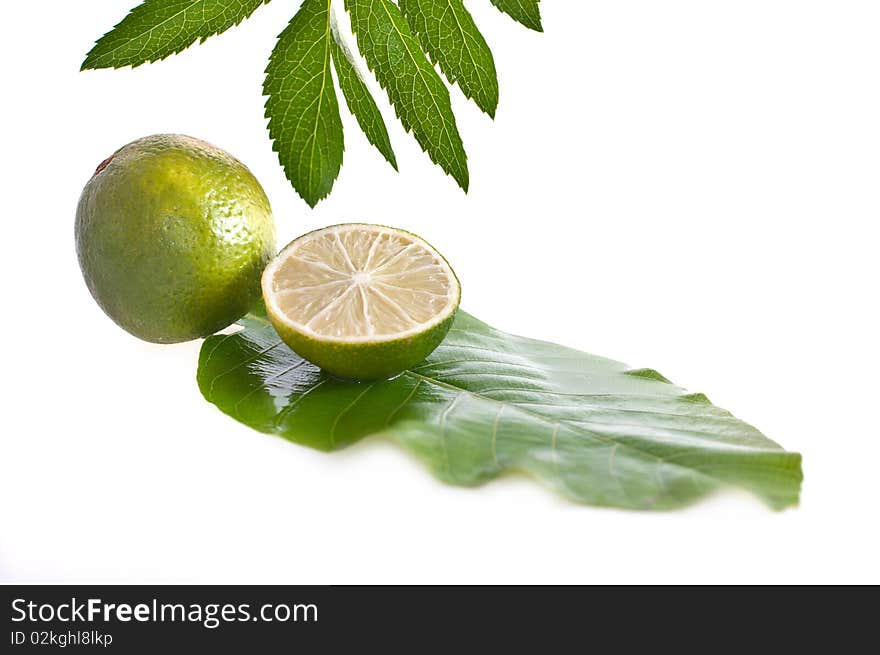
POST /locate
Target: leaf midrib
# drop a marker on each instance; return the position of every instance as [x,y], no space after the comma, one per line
[324,71]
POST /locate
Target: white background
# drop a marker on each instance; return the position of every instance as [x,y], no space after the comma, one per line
[686,185]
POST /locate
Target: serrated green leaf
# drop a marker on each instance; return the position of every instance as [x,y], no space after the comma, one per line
[301,105]
[416,91]
[358,98]
[486,403]
[526,12]
[159,28]
[449,35]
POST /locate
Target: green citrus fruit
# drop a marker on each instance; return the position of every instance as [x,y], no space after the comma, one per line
[363,302]
[172,235]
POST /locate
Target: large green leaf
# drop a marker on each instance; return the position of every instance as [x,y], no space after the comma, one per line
[451,38]
[419,96]
[159,28]
[526,12]
[301,104]
[486,402]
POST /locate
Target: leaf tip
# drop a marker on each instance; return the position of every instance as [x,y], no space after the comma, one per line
[91,61]
[310,196]
[461,176]
[647,374]
[489,105]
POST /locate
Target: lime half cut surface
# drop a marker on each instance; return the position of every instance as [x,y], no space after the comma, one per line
[361,301]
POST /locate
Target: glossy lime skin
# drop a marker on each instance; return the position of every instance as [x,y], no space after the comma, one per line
[376,360]
[172,235]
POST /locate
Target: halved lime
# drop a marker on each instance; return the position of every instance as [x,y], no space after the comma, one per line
[361,301]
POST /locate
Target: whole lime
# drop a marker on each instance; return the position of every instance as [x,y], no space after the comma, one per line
[172,235]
